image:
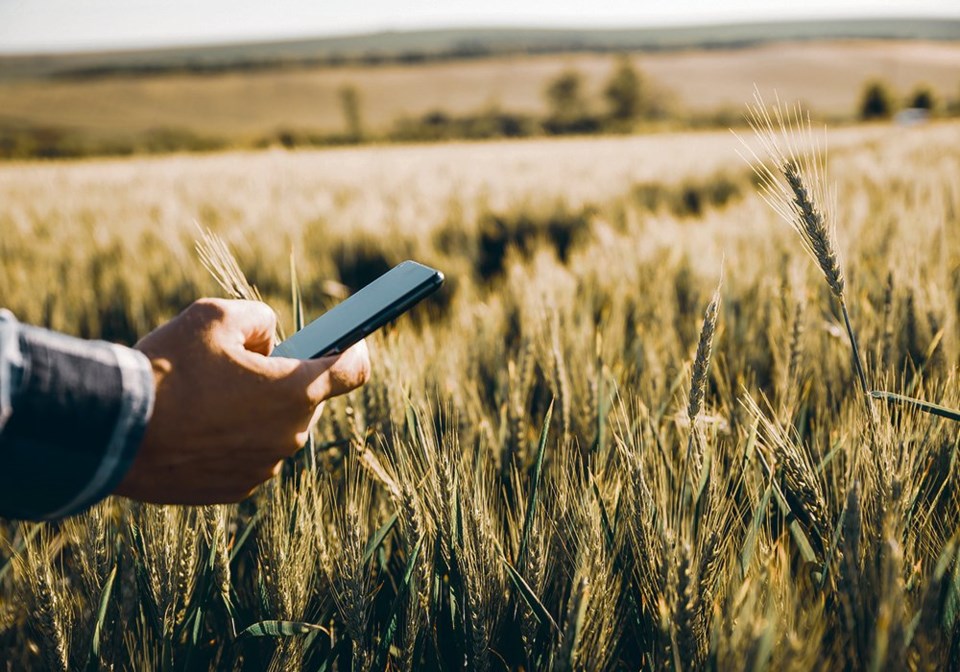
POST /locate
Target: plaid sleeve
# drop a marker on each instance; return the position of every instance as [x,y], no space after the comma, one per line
[72,415]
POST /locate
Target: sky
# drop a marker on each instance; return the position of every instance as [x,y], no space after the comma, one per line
[68,25]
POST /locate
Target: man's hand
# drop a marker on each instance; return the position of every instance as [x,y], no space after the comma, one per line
[225,413]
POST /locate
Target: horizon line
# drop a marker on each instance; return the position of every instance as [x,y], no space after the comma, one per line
[275,39]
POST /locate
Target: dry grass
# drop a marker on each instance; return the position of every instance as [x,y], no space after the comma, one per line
[527,482]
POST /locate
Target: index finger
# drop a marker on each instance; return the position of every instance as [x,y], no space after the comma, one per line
[338,374]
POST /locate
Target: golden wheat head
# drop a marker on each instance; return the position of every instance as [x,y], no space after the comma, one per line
[793,182]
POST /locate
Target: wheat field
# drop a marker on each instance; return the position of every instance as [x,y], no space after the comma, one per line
[628,434]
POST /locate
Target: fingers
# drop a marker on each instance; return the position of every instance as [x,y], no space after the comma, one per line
[348,371]
[316,380]
[255,323]
[247,324]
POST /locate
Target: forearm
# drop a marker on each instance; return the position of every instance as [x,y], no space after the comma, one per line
[72,415]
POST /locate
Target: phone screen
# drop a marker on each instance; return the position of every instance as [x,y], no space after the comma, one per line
[382,300]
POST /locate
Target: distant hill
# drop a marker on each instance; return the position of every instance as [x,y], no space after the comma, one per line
[426,45]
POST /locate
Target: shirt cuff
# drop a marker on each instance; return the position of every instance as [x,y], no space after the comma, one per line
[11,364]
[136,407]
[72,417]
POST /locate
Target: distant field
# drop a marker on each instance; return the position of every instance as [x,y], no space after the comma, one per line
[827,76]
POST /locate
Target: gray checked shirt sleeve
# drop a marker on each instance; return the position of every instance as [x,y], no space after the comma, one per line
[72,416]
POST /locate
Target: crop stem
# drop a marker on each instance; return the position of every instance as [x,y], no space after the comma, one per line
[857,363]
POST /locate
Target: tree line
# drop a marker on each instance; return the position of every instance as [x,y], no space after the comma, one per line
[628,102]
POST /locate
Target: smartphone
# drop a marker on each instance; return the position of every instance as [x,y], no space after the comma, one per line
[384,299]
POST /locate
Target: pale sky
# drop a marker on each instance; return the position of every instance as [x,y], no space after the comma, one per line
[59,25]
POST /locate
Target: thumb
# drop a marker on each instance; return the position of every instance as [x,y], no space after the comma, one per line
[326,377]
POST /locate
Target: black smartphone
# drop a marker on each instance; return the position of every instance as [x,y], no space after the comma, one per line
[387,297]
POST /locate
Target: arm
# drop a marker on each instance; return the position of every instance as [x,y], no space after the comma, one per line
[198,413]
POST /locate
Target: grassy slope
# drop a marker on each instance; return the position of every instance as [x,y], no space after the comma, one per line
[828,76]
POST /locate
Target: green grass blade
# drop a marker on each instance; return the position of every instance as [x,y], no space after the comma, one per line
[600,442]
[102,611]
[281,629]
[535,487]
[378,538]
[751,444]
[231,613]
[296,297]
[526,592]
[758,517]
[796,530]
[244,535]
[604,518]
[197,629]
[925,406]
[573,628]
[380,662]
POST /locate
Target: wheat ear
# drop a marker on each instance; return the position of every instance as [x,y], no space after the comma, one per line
[793,182]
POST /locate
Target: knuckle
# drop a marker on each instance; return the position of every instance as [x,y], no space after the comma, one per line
[208,309]
[269,317]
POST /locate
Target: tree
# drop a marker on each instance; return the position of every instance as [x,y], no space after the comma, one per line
[877,102]
[922,99]
[624,92]
[568,109]
[350,104]
[565,97]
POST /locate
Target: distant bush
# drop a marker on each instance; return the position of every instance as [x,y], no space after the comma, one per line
[51,142]
[350,104]
[922,99]
[876,101]
[439,125]
[953,106]
[291,138]
[582,125]
[164,140]
[569,112]
[691,198]
[524,231]
[624,92]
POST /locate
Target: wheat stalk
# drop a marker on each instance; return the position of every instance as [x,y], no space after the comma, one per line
[794,184]
[692,459]
[701,362]
[51,611]
[214,527]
